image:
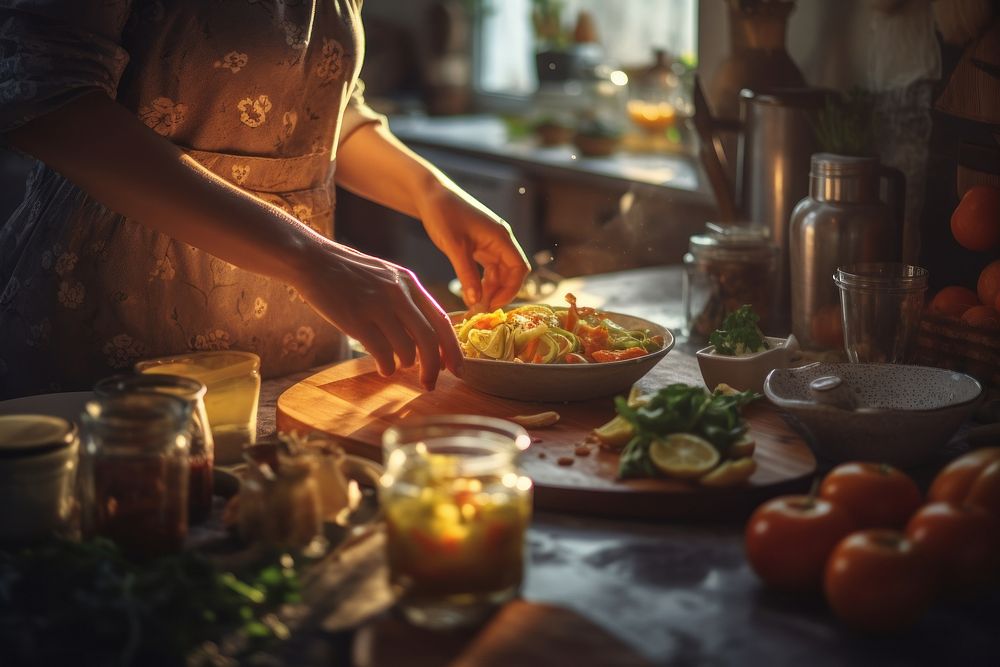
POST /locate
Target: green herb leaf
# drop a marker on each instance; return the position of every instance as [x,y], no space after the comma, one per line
[739,333]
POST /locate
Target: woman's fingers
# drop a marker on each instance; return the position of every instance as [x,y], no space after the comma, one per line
[445,345]
[399,338]
[377,345]
[468,275]
[501,283]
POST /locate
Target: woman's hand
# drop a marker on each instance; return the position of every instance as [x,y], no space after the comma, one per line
[469,234]
[383,306]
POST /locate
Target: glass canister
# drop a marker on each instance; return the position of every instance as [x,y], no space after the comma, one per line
[726,267]
[232,379]
[456,510]
[38,461]
[202,452]
[136,465]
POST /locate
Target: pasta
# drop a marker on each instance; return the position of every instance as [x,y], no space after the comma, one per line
[541,334]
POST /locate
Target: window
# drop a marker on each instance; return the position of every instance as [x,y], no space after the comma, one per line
[628,30]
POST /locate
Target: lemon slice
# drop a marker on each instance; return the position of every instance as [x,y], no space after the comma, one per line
[683,455]
[743,447]
[731,473]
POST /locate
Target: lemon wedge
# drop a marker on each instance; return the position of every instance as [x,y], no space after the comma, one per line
[683,455]
[731,473]
[743,447]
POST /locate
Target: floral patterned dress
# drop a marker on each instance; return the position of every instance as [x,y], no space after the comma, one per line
[260,92]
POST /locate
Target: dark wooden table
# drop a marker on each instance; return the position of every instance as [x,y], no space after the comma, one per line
[682,593]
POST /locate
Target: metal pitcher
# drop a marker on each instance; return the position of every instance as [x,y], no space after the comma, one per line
[772,167]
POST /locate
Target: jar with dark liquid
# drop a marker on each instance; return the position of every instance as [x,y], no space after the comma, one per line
[202,451]
[137,470]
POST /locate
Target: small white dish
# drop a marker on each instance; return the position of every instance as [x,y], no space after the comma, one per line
[887,413]
[746,371]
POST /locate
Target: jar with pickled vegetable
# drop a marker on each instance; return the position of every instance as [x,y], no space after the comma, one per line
[728,267]
[136,471]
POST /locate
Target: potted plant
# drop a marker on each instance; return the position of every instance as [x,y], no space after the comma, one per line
[563,54]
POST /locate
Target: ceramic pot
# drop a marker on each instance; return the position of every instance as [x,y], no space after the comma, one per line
[757,57]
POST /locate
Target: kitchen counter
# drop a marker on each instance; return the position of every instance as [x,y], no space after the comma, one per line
[682,593]
[487,137]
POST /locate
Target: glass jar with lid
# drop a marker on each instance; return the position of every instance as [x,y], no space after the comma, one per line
[728,266]
[202,453]
[38,462]
[136,471]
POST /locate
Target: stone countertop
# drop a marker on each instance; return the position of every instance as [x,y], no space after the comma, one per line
[683,594]
[486,136]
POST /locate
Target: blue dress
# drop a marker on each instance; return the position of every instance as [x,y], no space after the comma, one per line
[260,92]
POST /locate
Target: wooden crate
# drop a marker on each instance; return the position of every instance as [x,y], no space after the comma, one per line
[946,342]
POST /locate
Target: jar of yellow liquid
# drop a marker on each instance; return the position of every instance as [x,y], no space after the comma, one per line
[232,380]
[456,512]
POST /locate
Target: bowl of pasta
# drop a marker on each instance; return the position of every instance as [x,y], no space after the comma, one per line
[536,352]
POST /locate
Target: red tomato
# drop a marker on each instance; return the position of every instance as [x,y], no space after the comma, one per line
[985,491]
[953,484]
[962,543]
[876,582]
[875,495]
[788,540]
[618,355]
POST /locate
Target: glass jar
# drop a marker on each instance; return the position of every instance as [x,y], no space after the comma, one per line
[136,457]
[202,453]
[38,461]
[456,510]
[727,267]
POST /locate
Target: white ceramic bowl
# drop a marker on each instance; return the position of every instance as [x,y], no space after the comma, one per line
[562,383]
[886,413]
[747,371]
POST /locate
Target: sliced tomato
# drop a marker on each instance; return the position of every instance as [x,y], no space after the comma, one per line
[617,355]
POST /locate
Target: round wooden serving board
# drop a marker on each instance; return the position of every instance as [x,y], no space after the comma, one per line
[352,403]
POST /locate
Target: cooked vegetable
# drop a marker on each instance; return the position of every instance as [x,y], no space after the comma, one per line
[680,408]
[540,420]
[739,334]
[538,334]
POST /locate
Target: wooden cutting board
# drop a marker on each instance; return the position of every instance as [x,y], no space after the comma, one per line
[352,403]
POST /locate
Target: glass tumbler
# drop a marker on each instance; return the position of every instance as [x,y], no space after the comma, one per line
[456,509]
[881,306]
[232,380]
[202,452]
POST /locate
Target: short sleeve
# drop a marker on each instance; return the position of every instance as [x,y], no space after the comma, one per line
[52,51]
[358,114]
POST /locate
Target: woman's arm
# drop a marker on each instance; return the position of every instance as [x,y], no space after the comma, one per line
[107,151]
[373,163]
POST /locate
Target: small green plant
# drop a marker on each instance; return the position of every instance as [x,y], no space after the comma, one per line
[844,125]
[546,17]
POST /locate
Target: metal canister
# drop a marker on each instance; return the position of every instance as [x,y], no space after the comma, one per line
[772,165]
[842,221]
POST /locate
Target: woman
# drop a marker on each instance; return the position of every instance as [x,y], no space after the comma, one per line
[189,152]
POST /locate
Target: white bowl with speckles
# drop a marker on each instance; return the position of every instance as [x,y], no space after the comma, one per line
[888,413]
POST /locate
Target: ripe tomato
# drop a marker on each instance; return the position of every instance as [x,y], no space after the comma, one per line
[875,495]
[953,484]
[985,490]
[875,581]
[962,543]
[789,538]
